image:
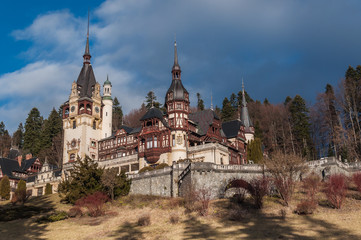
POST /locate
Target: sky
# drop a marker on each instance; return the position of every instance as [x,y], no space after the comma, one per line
[279,48]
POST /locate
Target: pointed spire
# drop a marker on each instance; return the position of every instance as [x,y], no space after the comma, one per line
[244,112]
[175,65]
[244,103]
[211,101]
[87,55]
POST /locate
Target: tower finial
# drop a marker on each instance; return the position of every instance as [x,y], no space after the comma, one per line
[211,101]
[87,55]
[175,54]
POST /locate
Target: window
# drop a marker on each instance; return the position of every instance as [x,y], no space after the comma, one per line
[74,124]
[94,144]
[106,113]
[72,157]
[179,106]
[94,125]
[149,143]
[155,142]
[173,140]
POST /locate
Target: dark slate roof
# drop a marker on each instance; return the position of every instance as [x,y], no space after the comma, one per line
[31,178]
[13,153]
[57,173]
[86,81]
[126,128]
[154,113]
[8,166]
[178,90]
[27,163]
[231,128]
[203,119]
[136,130]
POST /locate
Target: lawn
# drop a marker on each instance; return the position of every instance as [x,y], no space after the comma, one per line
[225,220]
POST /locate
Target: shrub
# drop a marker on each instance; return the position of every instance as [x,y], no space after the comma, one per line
[356,178]
[336,189]
[259,190]
[197,200]
[161,166]
[58,216]
[306,207]
[144,220]
[94,203]
[5,188]
[174,218]
[75,212]
[48,189]
[240,196]
[146,169]
[285,168]
[20,193]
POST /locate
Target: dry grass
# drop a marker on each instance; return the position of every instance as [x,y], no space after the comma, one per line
[121,221]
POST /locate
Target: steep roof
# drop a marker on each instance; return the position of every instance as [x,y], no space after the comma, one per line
[231,128]
[154,113]
[203,119]
[177,89]
[126,128]
[8,166]
[86,81]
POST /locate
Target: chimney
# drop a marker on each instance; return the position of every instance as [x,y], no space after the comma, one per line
[20,158]
[28,156]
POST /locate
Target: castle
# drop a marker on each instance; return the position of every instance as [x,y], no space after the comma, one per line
[162,137]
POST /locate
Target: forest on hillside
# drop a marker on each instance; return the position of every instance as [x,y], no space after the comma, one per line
[329,127]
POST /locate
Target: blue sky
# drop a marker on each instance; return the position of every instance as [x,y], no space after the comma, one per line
[280,48]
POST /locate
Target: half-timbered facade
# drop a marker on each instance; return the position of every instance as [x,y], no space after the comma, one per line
[177,134]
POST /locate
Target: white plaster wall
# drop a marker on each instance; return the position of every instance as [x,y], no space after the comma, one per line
[107,118]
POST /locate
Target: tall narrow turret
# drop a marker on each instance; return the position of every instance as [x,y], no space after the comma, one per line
[248,125]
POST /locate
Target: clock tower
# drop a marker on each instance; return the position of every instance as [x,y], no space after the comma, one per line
[86,115]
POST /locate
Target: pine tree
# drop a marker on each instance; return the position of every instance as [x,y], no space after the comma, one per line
[5,188]
[52,127]
[18,136]
[5,140]
[85,179]
[117,115]
[200,103]
[227,110]
[150,100]
[32,134]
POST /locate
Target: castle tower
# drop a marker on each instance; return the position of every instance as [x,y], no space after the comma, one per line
[82,120]
[107,109]
[248,125]
[177,105]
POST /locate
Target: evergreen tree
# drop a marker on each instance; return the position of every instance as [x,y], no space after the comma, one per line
[266,102]
[301,125]
[117,115]
[20,193]
[48,189]
[18,136]
[5,188]
[32,134]
[150,100]
[287,100]
[234,102]
[254,150]
[51,128]
[200,103]
[85,179]
[5,140]
[240,95]
[227,110]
